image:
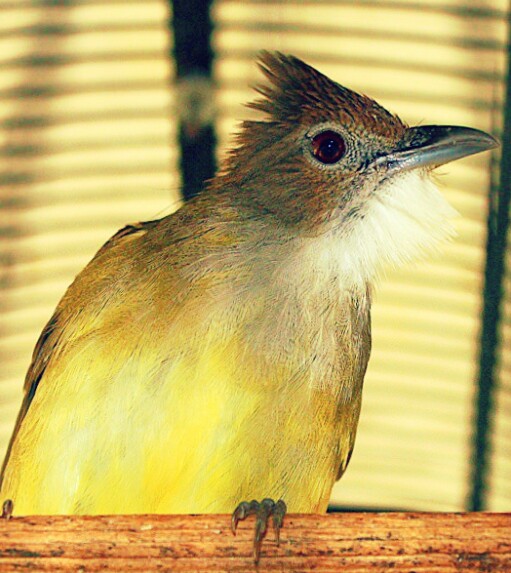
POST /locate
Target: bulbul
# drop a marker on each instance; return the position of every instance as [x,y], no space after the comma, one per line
[217,355]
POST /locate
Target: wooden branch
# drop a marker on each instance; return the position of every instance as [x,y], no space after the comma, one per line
[354,542]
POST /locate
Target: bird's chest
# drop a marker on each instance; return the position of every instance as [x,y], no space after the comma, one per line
[273,377]
[294,376]
[303,330]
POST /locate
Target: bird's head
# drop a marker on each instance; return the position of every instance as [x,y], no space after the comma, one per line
[328,161]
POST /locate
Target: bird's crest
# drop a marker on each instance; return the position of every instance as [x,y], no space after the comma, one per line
[296,89]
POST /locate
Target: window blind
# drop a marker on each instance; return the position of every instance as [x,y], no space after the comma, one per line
[87,145]
[500,476]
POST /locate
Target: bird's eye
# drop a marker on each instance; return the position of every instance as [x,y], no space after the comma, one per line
[328,147]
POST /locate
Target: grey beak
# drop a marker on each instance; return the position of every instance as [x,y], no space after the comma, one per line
[434,145]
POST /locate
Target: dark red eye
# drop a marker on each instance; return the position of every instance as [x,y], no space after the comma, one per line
[328,147]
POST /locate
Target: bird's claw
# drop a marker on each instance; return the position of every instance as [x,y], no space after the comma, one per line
[262,511]
[7,509]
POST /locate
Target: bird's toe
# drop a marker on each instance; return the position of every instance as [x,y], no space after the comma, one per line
[7,509]
[262,510]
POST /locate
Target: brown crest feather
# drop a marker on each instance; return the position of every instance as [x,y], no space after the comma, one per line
[295,90]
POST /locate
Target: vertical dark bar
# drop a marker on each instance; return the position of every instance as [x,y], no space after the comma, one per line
[192,27]
[498,223]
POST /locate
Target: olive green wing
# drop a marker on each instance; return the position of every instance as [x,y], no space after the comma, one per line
[54,333]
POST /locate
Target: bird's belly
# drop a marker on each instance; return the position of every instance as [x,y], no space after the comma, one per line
[199,436]
[203,464]
[257,460]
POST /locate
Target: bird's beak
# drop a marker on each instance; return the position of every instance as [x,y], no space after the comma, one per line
[434,145]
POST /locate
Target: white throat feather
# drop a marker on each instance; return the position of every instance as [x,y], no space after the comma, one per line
[404,218]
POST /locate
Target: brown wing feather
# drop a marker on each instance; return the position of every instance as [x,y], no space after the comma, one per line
[363,327]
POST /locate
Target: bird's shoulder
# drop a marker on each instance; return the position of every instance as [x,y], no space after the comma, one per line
[105,263]
[126,270]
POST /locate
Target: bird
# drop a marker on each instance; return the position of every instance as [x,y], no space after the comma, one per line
[212,361]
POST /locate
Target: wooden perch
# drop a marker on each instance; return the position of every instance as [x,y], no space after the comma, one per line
[354,542]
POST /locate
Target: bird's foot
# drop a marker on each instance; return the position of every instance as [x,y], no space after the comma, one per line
[262,511]
[7,509]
